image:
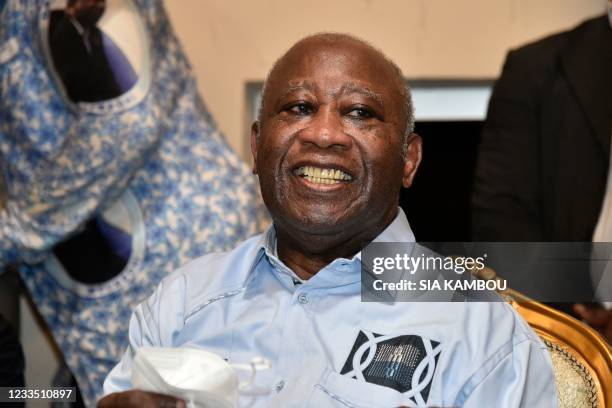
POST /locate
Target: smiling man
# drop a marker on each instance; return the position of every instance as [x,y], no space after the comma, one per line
[332,147]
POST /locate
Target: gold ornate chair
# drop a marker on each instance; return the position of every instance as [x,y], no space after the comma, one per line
[581,358]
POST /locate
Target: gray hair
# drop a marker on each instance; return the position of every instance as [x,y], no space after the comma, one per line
[404,90]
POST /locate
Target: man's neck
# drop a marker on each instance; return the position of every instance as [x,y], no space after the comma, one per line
[306,254]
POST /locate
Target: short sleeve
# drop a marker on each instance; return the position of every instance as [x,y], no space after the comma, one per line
[154,323]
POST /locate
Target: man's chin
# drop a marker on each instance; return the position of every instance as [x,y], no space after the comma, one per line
[319,223]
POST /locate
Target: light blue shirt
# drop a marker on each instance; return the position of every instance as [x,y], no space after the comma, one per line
[246,303]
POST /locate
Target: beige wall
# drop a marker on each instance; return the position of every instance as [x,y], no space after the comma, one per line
[231,42]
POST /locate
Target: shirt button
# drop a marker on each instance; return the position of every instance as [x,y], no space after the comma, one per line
[279,386]
[303,298]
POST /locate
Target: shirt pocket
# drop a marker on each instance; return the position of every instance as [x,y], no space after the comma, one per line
[336,390]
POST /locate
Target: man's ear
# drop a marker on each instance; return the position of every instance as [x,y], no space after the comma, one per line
[414,152]
[254,138]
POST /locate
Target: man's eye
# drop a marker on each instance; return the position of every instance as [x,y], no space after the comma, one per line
[361,113]
[301,109]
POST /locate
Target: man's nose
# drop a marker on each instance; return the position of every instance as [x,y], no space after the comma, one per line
[326,130]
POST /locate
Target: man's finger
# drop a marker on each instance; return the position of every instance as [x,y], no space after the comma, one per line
[137,398]
[594,317]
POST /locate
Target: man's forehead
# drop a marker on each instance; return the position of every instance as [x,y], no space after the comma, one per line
[309,62]
[312,53]
[332,43]
[357,66]
[332,89]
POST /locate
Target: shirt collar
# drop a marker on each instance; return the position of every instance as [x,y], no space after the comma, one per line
[397,231]
[269,248]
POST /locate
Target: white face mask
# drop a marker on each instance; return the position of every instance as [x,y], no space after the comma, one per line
[201,378]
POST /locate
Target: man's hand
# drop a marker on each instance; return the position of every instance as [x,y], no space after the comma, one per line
[137,398]
[599,319]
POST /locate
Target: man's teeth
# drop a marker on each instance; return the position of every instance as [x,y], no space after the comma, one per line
[322,176]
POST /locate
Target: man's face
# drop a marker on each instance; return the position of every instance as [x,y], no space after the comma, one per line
[88,12]
[328,148]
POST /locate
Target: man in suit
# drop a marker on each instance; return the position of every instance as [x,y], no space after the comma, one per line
[545,150]
[78,53]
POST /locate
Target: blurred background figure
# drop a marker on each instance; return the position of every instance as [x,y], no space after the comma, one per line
[543,165]
[92,67]
[12,363]
[11,357]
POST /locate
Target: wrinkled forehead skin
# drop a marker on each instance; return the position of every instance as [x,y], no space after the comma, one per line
[332,54]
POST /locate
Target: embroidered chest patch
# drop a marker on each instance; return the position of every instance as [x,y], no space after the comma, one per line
[405,363]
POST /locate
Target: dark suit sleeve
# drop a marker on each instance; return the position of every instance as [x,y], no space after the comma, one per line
[11,357]
[506,201]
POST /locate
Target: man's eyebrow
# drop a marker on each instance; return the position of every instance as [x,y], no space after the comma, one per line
[353,87]
[302,85]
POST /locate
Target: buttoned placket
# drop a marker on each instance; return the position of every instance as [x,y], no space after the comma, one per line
[296,345]
[299,342]
[296,332]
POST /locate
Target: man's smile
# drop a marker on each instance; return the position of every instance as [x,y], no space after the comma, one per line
[322,177]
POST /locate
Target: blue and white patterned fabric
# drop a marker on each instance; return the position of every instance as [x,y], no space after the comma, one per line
[330,349]
[152,154]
